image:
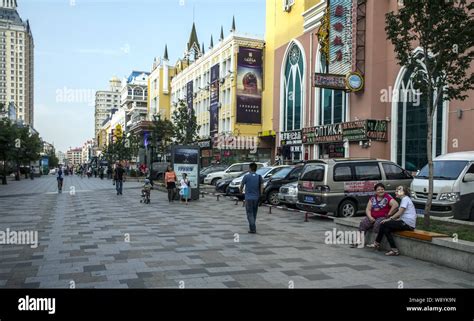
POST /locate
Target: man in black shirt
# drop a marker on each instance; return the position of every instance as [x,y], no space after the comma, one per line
[119,178]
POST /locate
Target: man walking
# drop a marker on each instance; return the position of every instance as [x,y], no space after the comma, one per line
[119,178]
[253,184]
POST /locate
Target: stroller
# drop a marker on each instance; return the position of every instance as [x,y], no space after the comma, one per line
[146,192]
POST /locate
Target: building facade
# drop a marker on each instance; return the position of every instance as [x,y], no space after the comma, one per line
[16,62]
[134,98]
[338,90]
[74,156]
[105,101]
[159,87]
[223,87]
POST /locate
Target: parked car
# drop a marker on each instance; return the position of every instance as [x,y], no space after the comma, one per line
[343,186]
[265,172]
[272,185]
[159,170]
[211,169]
[53,171]
[453,186]
[223,184]
[232,171]
[288,194]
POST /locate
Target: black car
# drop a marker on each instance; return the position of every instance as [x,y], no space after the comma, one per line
[210,169]
[273,184]
[222,185]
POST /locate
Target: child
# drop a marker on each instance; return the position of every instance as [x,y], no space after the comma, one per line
[185,188]
[146,191]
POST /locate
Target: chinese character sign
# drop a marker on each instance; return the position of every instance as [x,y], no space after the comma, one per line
[249,86]
[340,37]
[214,106]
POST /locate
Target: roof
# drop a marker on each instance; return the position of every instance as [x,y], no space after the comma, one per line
[193,38]
[469,156]
[135,74]
[11,16]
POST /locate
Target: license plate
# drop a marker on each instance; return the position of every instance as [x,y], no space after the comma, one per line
[309,199]
[420,211]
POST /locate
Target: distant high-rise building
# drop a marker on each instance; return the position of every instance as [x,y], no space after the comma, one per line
[105,101]
[16,62]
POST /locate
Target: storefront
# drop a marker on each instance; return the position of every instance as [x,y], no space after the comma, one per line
[229,149]
[206,152]
[335,140]
[291,146]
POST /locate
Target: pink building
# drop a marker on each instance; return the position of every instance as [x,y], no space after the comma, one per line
[383,120]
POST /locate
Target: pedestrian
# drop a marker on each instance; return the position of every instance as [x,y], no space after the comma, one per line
[170,181]
[101,173]
[118,176]
[185,191]
[32,172]
[253,184]
[403,220]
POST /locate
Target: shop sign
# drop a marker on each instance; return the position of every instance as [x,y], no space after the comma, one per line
[369,129]
[291,138]
[354,81]
[330,81]
[205,144]
[322,134]
[340,37]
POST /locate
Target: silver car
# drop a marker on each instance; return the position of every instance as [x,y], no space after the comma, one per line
[288,194]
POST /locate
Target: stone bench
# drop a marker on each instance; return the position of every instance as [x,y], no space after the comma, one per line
[427,246]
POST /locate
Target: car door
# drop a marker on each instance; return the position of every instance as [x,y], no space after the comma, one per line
[467,196]
[366,175]
[234,171]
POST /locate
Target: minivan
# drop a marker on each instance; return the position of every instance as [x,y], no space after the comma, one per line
[343,186]
[453,186]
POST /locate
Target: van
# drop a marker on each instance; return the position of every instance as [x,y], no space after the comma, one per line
[453,186]
[343,186]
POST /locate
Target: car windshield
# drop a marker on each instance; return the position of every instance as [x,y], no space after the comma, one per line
[444,170]
[283,172]
[263,171]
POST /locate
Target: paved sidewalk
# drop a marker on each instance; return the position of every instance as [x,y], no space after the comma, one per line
[96,239]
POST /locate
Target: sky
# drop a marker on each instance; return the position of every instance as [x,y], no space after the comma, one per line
[81,44]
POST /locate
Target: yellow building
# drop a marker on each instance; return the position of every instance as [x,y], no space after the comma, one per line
[224,86]
[159,87]
[290,47]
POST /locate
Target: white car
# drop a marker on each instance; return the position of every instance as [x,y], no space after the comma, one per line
[233,170]
[53,171]
[265,172]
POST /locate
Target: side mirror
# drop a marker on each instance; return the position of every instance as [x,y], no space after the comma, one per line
[269,175]
[468,178]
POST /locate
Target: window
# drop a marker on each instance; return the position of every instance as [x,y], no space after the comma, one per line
[293,89]
[332,102]
[470,170]
[313,172]
[392,171]
[235,169]
[295,174]
[367,172]
[342,173]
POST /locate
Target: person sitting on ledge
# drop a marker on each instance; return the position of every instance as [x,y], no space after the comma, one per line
[403,220]
[380,207]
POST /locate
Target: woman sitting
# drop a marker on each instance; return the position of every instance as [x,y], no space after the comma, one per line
[380,207]
[403,220]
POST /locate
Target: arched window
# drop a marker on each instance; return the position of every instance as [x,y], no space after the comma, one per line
[293,86]
[412,126]
[332,103]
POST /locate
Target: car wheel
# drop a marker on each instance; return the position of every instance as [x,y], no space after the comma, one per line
[214,181]
[272,198]
[347,208]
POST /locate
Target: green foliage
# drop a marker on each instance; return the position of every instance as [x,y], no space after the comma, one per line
[444,29]
[162,133]
[123,149]
[185,125]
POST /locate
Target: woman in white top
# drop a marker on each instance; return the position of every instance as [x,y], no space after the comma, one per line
[403,220]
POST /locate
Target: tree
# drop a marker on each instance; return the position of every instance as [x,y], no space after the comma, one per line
[444,29]
[162,133]
[122,149]
[8,134]
[53,160]
[185,124]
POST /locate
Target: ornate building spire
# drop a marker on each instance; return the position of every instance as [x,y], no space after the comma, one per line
[8,4]
[222,34]
[233,24]
[212,43]
[193,44]
[165,56]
